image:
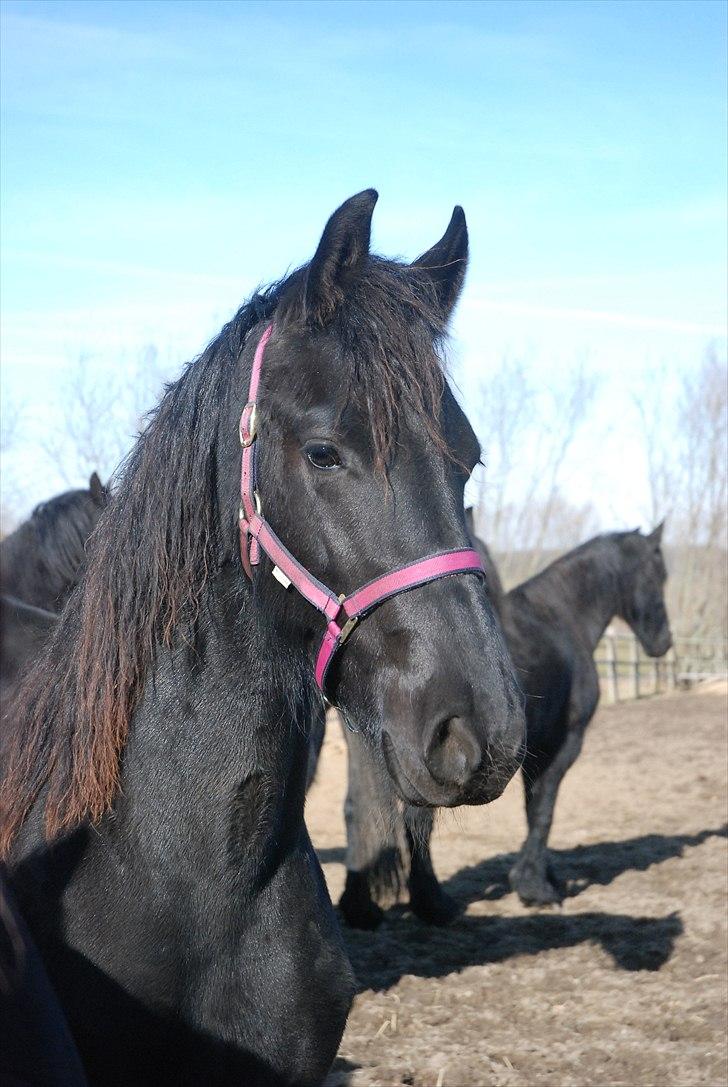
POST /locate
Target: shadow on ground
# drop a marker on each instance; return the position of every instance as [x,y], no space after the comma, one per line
[335,854]
[403,945]
[341,1072]
[580,867]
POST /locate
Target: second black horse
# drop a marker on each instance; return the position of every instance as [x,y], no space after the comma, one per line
[552,624]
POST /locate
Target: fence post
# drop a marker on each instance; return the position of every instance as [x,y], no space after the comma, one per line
[611,663]
[635,661]
[671,669]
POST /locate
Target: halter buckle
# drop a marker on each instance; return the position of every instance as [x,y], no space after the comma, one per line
[242,516]
[248,420]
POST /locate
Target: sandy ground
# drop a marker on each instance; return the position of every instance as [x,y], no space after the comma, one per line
[623,984]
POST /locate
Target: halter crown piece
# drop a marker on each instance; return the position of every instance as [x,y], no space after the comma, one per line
[341,612]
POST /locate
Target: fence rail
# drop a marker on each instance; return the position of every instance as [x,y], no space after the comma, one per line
[627,672]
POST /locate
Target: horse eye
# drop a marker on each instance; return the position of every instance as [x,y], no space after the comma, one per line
[323,456]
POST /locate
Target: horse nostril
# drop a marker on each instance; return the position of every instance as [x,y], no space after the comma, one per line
[453,754]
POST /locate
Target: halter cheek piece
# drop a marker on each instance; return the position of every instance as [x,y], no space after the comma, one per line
[341,612]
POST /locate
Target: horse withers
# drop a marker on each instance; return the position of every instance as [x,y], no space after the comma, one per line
[40,563]
[153,803]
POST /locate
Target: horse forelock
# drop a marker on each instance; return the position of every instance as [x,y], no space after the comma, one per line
[390,328]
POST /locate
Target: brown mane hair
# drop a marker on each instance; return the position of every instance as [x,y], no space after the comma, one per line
[160,540]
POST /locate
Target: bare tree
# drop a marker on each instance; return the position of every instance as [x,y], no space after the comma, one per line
[100,412]
[11,425]
[685,432]
[528,430]
[703,421]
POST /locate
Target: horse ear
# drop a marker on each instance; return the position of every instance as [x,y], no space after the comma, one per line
[656,534]
[447,260]
[344,244]
[97,489]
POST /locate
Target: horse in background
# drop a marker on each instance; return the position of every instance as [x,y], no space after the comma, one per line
[552,624]
[152,804]
[40,563]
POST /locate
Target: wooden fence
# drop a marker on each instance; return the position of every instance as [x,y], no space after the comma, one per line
[627,672]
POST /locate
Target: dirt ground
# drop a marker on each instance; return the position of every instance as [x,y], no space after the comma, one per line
[624,984]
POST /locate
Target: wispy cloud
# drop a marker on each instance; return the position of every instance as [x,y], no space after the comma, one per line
[72,40]
[594,316]
[119,268]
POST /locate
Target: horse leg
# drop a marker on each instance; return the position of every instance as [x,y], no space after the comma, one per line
[530,877]
[373,847]
[427,898]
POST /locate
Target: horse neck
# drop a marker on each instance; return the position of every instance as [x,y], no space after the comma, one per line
[582,586]
[493,581]
[215,766]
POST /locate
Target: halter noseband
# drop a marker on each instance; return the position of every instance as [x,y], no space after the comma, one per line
[341,612]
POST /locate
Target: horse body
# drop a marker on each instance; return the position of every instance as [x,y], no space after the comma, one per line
[183,928]
[153,806]
[552,624]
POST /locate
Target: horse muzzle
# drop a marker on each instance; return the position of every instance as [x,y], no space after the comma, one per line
[451,764]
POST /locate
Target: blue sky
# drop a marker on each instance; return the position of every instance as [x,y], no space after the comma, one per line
[160,159]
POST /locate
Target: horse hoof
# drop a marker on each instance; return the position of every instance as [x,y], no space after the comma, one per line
[559,884]
[438,909]
[534,889]
[359,913]
[542,894]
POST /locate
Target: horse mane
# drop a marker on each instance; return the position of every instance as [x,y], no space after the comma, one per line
[612,549]
[157,544]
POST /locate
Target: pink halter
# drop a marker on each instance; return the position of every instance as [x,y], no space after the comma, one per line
[342,612]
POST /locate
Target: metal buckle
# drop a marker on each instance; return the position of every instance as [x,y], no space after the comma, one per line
[258,510]
[252,422]
[347,628]
[348,625]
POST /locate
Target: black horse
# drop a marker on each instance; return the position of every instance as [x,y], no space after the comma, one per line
[40,563]
[153,802]
[552,625]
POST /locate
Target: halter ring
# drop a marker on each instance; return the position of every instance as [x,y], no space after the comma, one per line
[248,425]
